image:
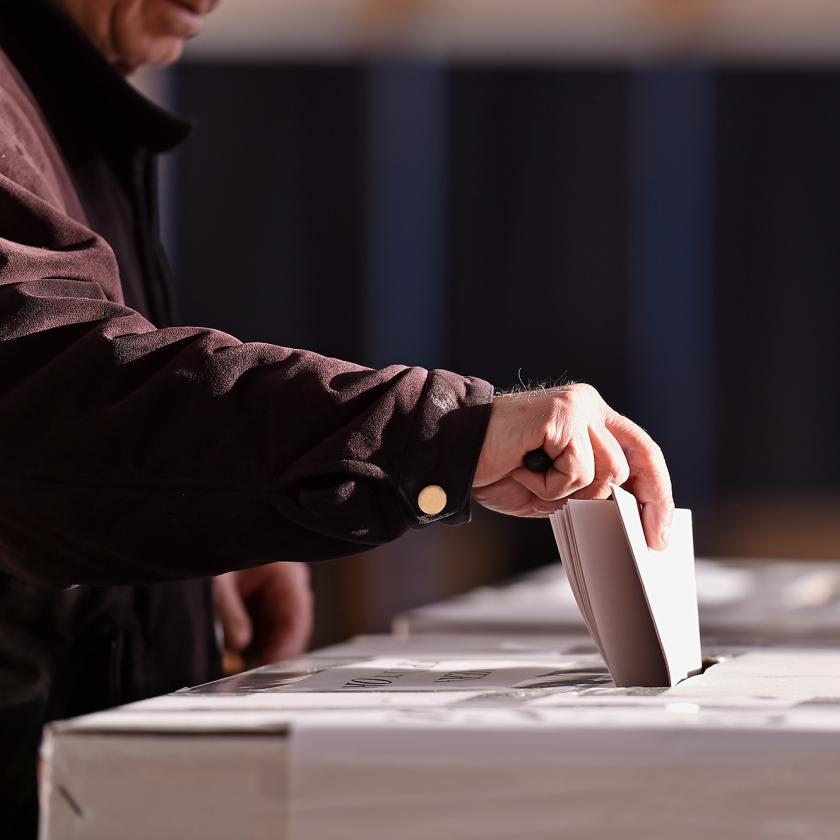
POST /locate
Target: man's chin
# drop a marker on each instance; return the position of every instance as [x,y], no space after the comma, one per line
[158,55]
[168,54]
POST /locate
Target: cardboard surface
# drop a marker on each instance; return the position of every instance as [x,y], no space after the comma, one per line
[747,749]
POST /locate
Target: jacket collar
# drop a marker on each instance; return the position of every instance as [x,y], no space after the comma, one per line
[59,61]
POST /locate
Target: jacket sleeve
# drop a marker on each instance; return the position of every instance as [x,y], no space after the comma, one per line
[133,454]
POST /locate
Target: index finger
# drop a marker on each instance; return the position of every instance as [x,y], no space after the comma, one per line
[649,480]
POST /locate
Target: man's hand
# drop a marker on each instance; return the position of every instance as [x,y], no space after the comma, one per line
[266,612]
[591,445]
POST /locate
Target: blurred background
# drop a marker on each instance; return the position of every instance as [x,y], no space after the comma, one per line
[641,194]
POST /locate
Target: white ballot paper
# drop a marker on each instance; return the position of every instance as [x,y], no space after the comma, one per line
[398,675]
[639,605]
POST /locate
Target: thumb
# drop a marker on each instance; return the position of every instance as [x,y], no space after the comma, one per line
[231,611]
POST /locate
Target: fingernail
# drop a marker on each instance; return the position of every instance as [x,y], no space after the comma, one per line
[666,532]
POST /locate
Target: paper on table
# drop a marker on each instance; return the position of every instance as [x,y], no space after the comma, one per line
[392,674]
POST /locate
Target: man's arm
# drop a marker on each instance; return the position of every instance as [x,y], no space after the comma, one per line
[135,454]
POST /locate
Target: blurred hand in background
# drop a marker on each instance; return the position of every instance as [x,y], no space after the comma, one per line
[265,612]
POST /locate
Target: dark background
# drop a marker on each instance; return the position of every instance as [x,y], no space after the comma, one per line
[670,234]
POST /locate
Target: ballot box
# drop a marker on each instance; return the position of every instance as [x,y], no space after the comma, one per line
[461,737]
[743,601]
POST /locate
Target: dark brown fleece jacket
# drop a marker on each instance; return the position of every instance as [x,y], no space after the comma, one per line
[136,455]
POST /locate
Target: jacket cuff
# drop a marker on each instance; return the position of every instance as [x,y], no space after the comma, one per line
[443,448]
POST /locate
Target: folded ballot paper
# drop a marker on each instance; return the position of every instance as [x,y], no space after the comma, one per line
[639,605]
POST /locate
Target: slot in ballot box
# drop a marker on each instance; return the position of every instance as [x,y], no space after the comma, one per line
[460,737]
[740,601]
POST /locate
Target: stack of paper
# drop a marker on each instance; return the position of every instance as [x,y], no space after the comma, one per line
[640,606]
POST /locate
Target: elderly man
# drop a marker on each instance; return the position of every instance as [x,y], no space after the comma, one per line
[140,458]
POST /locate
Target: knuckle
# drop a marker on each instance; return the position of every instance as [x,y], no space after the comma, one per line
[590,395]
[570,479]
[620,475]
[655,449]
[652,448]
[580,395]
[646,441]
[600,490]
[557,405]
[578,479]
